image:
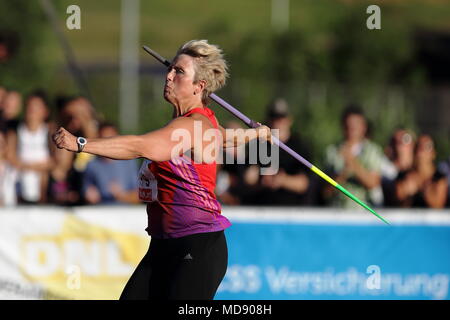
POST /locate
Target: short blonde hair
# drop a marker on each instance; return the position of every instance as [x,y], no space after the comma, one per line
[209,65]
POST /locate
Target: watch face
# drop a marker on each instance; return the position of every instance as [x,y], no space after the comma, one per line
[81,140]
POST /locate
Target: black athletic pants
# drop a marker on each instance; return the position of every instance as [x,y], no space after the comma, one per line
[186,268]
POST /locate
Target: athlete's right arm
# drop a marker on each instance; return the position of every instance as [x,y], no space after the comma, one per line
[159,145]
[237,137]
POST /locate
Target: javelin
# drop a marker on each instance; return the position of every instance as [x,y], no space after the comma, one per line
[253,124]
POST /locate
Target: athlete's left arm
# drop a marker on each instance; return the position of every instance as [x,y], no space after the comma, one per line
[159,145]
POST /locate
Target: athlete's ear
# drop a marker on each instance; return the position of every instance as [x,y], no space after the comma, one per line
[199,86]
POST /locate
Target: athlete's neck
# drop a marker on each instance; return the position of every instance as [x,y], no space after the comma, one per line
[177,111]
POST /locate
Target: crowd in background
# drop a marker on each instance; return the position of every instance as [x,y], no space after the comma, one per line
[34,171]
[404,173]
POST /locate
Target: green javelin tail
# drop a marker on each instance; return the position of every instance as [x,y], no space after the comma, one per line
[345,191]
[351,196]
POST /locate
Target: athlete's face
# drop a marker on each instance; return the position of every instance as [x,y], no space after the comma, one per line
[180,77]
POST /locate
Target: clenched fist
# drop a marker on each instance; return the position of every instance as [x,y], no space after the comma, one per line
[65,140]
[264,132]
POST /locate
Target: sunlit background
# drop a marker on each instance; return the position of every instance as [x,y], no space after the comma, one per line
[318,55]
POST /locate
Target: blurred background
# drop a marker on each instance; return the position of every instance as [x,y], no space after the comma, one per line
[337,91]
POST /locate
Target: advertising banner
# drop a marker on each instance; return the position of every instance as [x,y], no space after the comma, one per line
[277,254]
[56,253]
[274,253]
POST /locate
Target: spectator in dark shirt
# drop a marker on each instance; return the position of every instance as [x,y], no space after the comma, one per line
[292,184]
[423,186]
[444,167]
[400,158]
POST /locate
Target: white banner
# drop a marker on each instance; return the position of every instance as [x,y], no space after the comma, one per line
[57,253]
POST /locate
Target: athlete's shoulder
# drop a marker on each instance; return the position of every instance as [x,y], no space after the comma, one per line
[181,122]
[206,121]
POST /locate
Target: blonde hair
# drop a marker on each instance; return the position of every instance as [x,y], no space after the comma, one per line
[209,65]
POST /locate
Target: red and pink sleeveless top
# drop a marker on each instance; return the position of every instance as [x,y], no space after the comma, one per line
[180,194]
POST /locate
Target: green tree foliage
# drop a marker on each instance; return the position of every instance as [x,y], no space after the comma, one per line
[319,75]
[26,28]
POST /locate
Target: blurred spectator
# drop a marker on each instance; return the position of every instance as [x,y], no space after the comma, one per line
[66,177]
[424,185]
[3,93]
[78,117]
[30,150]
[8,176]
[355,162]
[444,167]
[10,109]
[400,158]
[291,185]
[401,151]
[108,181]
[62,189]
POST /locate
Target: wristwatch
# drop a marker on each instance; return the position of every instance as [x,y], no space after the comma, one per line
[81,142]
